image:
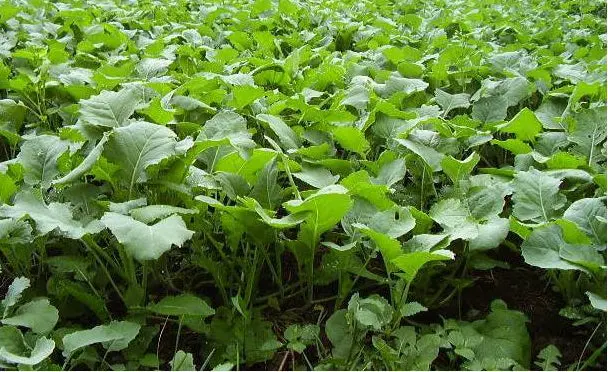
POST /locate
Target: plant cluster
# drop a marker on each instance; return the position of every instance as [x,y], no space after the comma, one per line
[288,184]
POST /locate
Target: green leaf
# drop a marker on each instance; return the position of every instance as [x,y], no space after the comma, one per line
[597,301]
[390,173]
[138,146]
[229,126]
[428,154]
[15,232]
[147,242]
[455,219]
[49,217]
[39,156]
[589,133]
[86,164]
[339,333]
[38,315]
[287,137]
[388,246]
[548,358]
[525,125]
[243,95]
[182,361]
[13,294]
[396,83]
[490,110]
[288,221]
[587,214]
[110,109]
[374,311]
[459,169]
[318,177]
[267,190]
[505,336]
[411,263]
[411,309]
[114,336]
[351,139]
[327,206]
[151,213]
[394,222]
[536,196]
[7,188]
[515,146]
[42,349]
[542,249]
[182,305]
[448,101]
[490,234]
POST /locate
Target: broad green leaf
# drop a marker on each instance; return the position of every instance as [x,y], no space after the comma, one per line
[459,169]
[542,249]
[394,222]
[151,213]
[490,110]
[430,156]
[351,139]
[39,156]
[589,133]
[288,221]
[267,190]
[357,97]
[110,109]
[182,361]
[114,336]
[411,263]
[138,146]
[373,312]
[411,309]
[490,234]
[7,188]
[587,214]
[455,219]
[49,217]
[396,83]
[318,177]
[448,101]
[38,315]
[536,196]
[549,358]
[230,126]
[182,305]
[339,333]
[14,231]
[86,164]
[360,184]
[426,242]
[12,115]
[147,242]
[515,146]
[13,294]
[287,137]
[125,207]
[525,125]
[244,95]
[505,336]
[327,206]
[390,173]
[42,349]
[388,246]
[597,301]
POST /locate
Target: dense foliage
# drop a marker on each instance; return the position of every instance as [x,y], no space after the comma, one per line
[316,184]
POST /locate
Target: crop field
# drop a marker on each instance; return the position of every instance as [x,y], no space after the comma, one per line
[303,185]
